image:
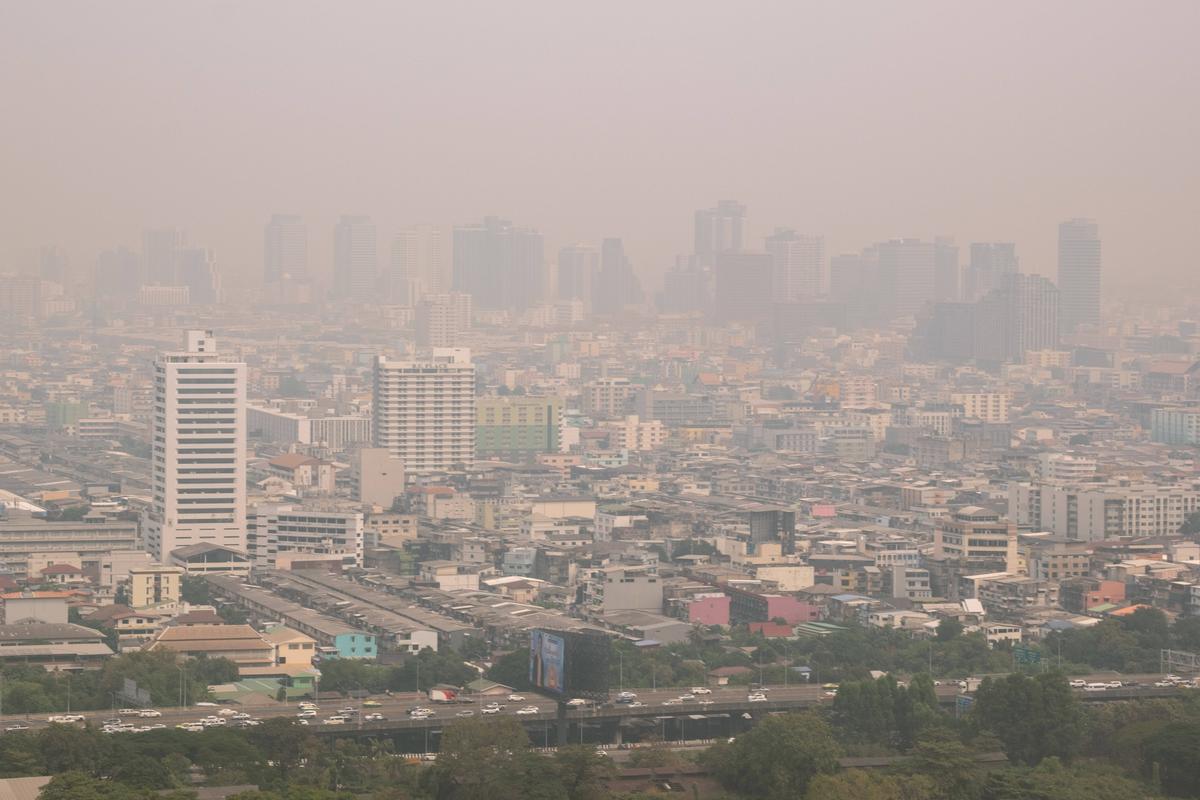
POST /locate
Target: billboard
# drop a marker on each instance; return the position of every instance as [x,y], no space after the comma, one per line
[547,659]
[570,664]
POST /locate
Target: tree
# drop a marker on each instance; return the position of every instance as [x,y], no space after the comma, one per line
[195,590]
[949,628]
[857,784]
[1033,717]
[512,670]
[581,770]
[1191,525]
[490,759]
[1173,754]
[285,742]
[777,758]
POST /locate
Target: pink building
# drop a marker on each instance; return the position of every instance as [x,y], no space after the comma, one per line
[790,610]
[709,609]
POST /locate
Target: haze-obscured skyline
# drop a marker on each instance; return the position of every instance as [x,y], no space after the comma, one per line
[859,122]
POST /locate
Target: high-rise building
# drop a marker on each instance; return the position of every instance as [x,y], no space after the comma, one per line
[442,318]
[420,264]
[354,259]
[53,265]
[798,265]
[1031,315]
[719,230]
[907,275]
[615,286]
[578,265]
[517,425]
[199,450]
[1018,316]
[424,411]
[1078,273]
[285,249]
[160,256]
[118,273]
[195,270]
[502,267]
[990,262]
[743,286]
[945,278]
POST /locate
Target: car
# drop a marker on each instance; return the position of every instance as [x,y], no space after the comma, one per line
[306,713]
[466,712]
[190,727]
[636,704]
[1163,684]
[17,726]
[1077,684]
[625,697]
[686,698]
[577,702]
[226,712]
[1115,684]
[757,697]
[205,704]
[490,710]
[253,722]
[129,712]
[829,694]
[674,701]
[64,718]
[149,713]
[307,705]
[375,717]
[347,711]
[829,686]
[371,704]
[158,726]
[701,690]
[1096,687]
[420,710]
[302,722]
[111,721]
[528,710]
[516,698]
[334,720]
[212,722]
[241,715]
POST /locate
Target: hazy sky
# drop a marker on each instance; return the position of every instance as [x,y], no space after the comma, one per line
[858,120]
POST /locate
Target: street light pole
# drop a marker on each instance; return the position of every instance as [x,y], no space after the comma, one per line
[620,671]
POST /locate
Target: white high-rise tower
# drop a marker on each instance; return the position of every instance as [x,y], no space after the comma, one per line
[199,449]
[425,410]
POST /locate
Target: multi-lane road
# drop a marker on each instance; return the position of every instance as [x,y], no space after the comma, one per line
[654,703]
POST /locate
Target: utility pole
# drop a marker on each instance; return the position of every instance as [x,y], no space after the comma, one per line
[620,671]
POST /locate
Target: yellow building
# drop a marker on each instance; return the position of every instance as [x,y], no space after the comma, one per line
[154,586]
[292,648]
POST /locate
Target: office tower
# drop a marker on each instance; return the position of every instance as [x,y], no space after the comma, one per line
[419,264]
[718,230]
[198,471]
[687,287]
[354,259]
[578,265]
[160,256]
[118,273]
[20,300]
[503,268]
[798,265]
[990,262]
[854,283]
[743,286]
[196,271]
[945,278]
[285,250]
[441,319]
[615,286]
[424,411]
[907,272]
[1078,274]
[53,264]
[1032,318]
[517,425]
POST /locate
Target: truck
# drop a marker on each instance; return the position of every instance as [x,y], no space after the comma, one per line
[443,695]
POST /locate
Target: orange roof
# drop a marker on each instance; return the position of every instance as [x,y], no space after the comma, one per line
[45,595]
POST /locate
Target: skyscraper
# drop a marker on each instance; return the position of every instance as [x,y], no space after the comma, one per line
[1078,273]
[719,230]
[195,270]
[743,286]
[945,279]
[1032,314]
[615,286]
[198,470]
[442,318]
[420,264]
[355,264]
[424,411]
[285,249]
[502,267]
[799,264]
[907,275]
[578,265]
[990,262]
[160,256]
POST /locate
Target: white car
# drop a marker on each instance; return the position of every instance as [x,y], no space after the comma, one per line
[334,720]
[757,697]
[301,722]
[465,713]
[66,718]
[226,712]
[307,713]
[490,710]
[516,698]
[701,690]
[529,710]
[686,698]
[150,713]
[374,717]
[17,726]
[674,701]
[577,702]
[1077,684]
[241,715]
[636,704]
[129,712]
